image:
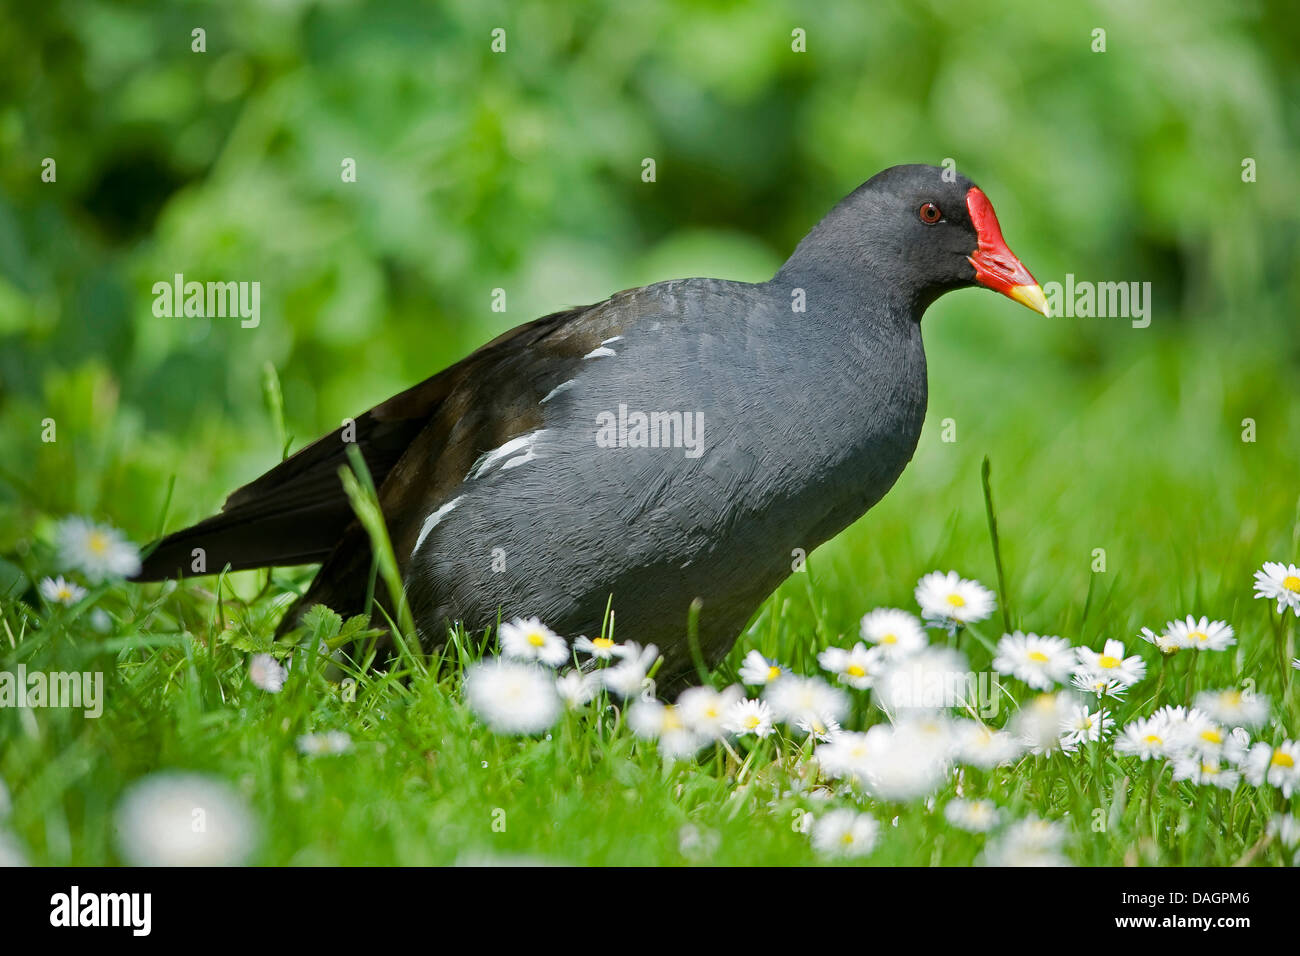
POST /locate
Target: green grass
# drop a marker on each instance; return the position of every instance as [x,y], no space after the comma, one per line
[1145,461]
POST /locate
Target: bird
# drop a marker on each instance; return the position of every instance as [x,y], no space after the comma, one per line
[659,459]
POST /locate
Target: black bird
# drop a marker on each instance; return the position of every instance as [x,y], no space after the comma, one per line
[673,442]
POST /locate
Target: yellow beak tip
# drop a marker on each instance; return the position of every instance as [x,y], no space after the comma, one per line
[1031,296]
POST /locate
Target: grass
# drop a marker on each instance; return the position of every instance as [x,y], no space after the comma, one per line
[1139,468]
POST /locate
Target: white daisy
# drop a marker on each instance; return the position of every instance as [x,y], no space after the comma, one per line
[512,697]
[61,591]
[908,761]
[1037,724]
[267,673]
[601,648]
[935,678]
[1205,771]
[844,833]
[1099,685]
[818,727]
[576,688]
[184,819]
[705,710]
[1111,663]
[1285,829]
[1145,738]
[528,639]
[1281,583]
[986,747]
[1277,766]
[663,723]
[1201,635]
[757,671]
[1082,725]
[630,675]
[976,816]
[1038,661]
[846,756]
[857,667]
[99,552]
[330,743]
[1202,736]
[1028,842]
[749,717]
[1163,642]
[952,600]
[794,698]
[895,632]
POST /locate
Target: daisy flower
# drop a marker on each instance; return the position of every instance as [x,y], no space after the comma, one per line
[1028,842]
[1038,661]
[975,816]
[1285,829]
[1145,738]
[1163,643]
[931,679]
[1038,723]
[661,722]
[846,756]
[1235,708]
[1277,766]
[1111,663]
[795,698]
[757,671]
[1281,583]
[631,674]
[983,746]
[1097,684]
[157,822]
[1081,725]
[99,552]
[267,673]
[952,600]
[330,744]
[909,760]
[1202,635]
[844,833]
[601,648]
[895,632]
[528,639]
[857,667]
[576,688]
[512,697]
[1205,771]
[818,727]
[749,717]
[60,591]
[704,710]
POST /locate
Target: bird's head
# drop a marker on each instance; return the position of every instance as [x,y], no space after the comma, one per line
[925,231]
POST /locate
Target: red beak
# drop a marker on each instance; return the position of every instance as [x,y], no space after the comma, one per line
[995,266]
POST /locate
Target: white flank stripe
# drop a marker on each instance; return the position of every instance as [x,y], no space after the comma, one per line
[508,451]
[563,386]
[600,352]
[431,522]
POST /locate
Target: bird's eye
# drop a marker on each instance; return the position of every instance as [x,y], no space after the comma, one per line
[930,213]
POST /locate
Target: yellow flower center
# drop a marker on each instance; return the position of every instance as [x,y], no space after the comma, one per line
[1231,698]
[1198,636]
[1209,769]
[1152,739]
[1038,657]
[97,542]
[602,642]
[1107,661]
[671,720]
[773,672]
[1291,582]
[847,839]
[535,639]
[889,639]
[752,721]
[856,670]
[1212,736]
[956,600]
[1282,759]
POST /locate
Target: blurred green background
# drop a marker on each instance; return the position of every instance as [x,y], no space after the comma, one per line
[522,170]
